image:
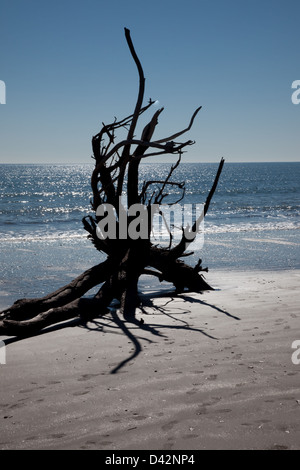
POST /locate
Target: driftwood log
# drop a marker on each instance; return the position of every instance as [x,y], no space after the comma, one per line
[127,258]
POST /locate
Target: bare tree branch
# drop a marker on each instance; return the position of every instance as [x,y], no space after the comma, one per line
[174,136]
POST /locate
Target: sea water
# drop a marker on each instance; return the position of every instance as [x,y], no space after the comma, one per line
[252,224]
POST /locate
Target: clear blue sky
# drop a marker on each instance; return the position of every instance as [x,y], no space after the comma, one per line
[67,68]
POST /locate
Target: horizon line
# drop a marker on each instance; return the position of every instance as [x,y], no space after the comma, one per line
[202,162]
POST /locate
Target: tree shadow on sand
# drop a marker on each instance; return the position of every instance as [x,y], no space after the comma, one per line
[112,322]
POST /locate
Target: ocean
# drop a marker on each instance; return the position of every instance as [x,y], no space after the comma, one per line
[252,224]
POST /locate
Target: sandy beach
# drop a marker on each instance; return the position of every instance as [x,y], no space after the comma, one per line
[210,371]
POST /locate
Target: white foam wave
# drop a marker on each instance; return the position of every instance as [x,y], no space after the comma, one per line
[42,236]
[209,228]
[251,227]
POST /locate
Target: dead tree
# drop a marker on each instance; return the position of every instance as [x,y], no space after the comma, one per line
[127,258]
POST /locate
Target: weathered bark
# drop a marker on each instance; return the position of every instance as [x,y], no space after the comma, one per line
[127,258]
[24,309]
[85,308]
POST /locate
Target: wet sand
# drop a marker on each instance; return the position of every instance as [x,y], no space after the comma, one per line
[210,371]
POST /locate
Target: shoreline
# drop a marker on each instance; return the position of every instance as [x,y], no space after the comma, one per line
[204,371]
[34,268]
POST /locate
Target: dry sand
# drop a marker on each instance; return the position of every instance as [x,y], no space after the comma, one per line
[210,371]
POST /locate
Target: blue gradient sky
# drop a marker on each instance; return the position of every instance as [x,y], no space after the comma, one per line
[67,68]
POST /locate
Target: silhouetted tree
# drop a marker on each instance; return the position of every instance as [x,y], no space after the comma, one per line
[127,258]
